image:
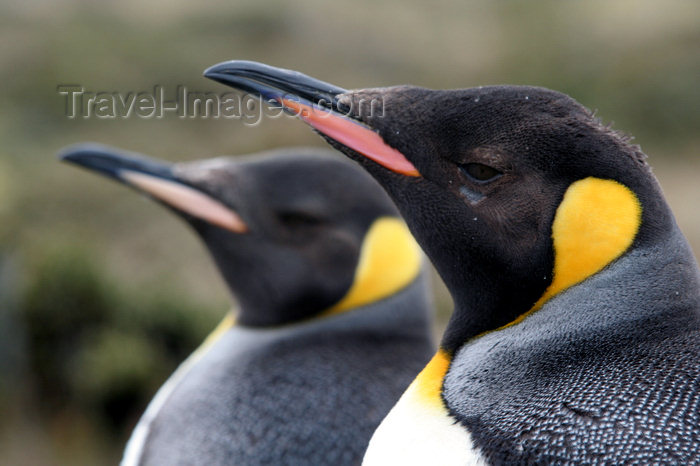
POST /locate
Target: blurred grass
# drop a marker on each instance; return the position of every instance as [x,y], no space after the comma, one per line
[71,242]
[94,350]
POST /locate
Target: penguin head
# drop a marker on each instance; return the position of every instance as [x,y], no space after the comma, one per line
[286,229]
[515,193]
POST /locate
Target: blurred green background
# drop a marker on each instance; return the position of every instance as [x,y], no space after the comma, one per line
[102,293]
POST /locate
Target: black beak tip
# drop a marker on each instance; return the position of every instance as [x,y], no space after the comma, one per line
[111,161]
[78,153]
[213,72]
[217,77]
[231,68]
[271,82]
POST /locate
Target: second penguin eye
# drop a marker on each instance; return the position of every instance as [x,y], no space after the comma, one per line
[479,172]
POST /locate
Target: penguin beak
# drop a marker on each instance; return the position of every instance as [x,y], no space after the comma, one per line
[156,179]
[316,103]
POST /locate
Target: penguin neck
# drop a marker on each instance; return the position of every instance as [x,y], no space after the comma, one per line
[487,307]
[389,260]
[266,307]
[650,271]
[268,313]
[406,313]
[651,292]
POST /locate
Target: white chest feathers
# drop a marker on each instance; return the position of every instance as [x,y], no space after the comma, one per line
[419,430]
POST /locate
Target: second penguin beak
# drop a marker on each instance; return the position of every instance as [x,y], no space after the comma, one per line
[156,179]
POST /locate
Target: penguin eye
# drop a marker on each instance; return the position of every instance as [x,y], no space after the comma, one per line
[298,219]
[479,172]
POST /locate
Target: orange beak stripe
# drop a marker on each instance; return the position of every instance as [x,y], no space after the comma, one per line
[353,135]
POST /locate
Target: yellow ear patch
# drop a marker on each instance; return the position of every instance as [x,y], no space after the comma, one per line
[389,260]
[595,224]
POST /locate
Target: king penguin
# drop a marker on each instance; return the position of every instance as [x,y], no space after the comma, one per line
[333,318]
[575,337]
